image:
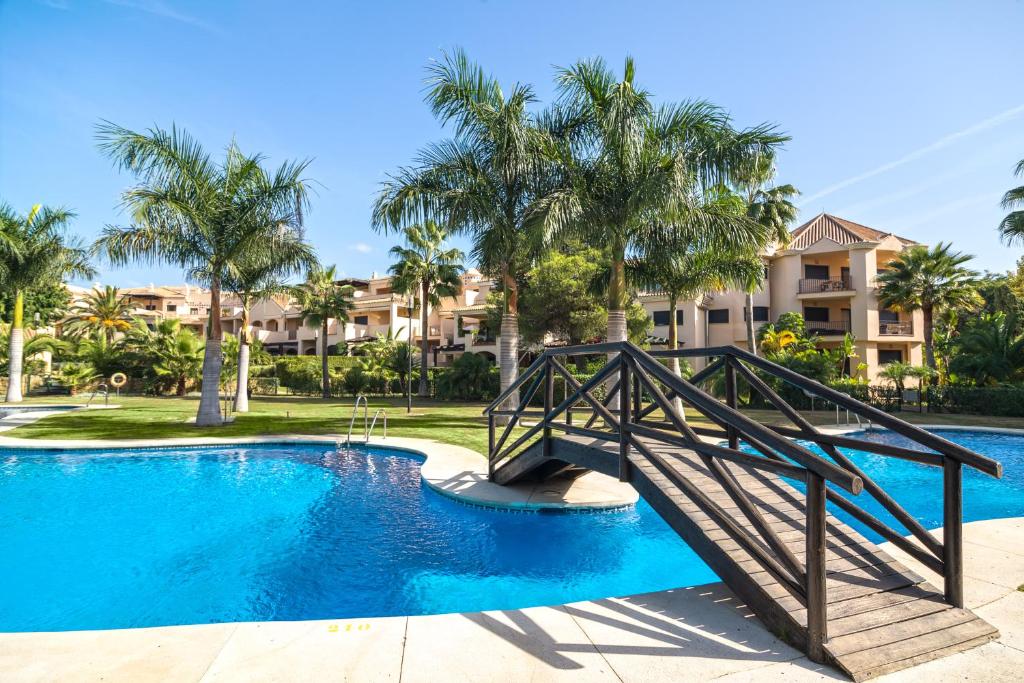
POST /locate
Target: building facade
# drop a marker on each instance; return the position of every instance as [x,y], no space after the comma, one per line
[828,273]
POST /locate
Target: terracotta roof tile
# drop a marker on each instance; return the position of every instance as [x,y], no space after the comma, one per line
[839,230]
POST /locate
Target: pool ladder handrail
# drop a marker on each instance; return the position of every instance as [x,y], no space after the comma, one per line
[106,394]
[368,424]
[373,423]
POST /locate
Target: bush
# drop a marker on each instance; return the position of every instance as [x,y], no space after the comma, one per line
[470,378]
[1006,401]
[302,373]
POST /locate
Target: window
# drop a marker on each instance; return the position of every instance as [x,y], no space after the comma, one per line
[150,307]
[886,356]
[815,314]
[718,315]
[662,317]
[887,316]
[812,272]
[760,314]
[171,308]
[194,311]
[361,319]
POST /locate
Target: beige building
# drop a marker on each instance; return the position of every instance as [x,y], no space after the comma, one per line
[828,274]
[187,304]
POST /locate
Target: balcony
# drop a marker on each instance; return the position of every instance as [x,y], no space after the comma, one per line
[897,328]
[483,340]
[828,328]
[836,283]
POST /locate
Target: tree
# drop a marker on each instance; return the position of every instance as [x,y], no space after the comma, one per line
[204,216]
[321,299]
[990,351]
[482,182]
[180,357]
[43,305]
[628,169]
[771,207]
[1011,228]
[257,276]
[36,251]
[929,280]
[426,268]
[106,311]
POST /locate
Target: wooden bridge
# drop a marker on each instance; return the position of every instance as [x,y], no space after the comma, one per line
[759,517]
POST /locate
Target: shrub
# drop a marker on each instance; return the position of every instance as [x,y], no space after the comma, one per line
[470,378]
[1005,401]
[355,381]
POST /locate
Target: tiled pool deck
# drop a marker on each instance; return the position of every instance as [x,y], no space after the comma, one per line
[693,634]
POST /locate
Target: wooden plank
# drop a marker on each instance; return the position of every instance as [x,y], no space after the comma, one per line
[885,634]
[922,647]
[900,611]
[890,667]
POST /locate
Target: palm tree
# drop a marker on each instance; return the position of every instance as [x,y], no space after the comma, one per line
[425,268]
[482,183]
[256,277]
[106,311]
[179,356]
[773,208]
[991,351]
[42,253]
[204,216]
[929,280]
[1011,228]
[628,168]
[322,299]
[685,274]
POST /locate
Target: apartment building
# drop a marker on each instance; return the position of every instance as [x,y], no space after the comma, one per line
[828,274]
[185,303]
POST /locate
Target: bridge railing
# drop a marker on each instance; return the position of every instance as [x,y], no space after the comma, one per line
[645,403]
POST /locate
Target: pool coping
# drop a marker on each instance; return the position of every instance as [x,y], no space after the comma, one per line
[453,471]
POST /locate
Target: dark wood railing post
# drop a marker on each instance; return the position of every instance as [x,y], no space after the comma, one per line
[625,403]
[730,399]
[637,395]
[565,396]
[952,531]
[490,446]
[817,599]
[549,404]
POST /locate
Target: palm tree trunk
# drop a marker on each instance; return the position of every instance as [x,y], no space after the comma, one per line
[242,382]
[209,399]
[616,314]
[673,344]
[325,379]
[508,346]
[15,351]
[424,391]
[929,336]
[751,346]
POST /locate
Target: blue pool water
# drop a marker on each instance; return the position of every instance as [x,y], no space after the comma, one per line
[280,532]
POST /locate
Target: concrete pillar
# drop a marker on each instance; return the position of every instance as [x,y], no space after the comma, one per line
[864,305]
[785,273]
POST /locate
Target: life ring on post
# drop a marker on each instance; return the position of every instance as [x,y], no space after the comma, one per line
[118,380]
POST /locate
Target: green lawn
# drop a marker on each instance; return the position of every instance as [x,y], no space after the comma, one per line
[455,423]
[155,418]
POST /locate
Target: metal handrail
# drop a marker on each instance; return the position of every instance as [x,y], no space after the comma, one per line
[106,394]
[373,423]
[352,422]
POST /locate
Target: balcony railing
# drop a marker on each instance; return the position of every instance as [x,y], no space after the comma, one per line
[837,283]
[827,328]
[902,328]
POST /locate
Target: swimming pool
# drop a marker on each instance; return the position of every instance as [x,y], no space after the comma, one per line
[129,538]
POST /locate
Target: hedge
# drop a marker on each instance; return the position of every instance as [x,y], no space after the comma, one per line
[994,401]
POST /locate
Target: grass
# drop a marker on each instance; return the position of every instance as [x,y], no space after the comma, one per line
[164,417]
[456,423]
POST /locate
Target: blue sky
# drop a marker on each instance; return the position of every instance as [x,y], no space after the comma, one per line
[907,117]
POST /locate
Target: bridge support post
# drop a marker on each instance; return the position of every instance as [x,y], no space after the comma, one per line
[952,531]
[490,447]
[817,598]
[549,404]
[625,406]
[730,400]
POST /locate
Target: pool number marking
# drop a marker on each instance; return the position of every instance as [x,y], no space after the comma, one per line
[333,628]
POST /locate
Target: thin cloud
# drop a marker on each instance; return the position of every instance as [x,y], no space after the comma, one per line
[942,142]
[942,211]
[361,247]
[160,9]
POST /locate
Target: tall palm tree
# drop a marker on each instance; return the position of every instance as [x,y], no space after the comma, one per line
[991,350]
[321,299]
[106,311]
[687,273]
[257,276]
[198,214]
[425,268]
[1011,228]
[773,208]
[42,252]
[481,183]
[929,280]
[629,167]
